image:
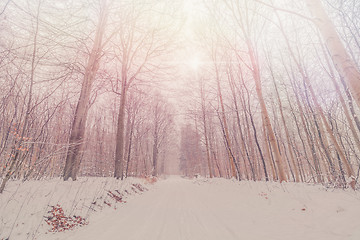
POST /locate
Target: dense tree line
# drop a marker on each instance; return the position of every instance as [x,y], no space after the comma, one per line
[273,95]
[78,86]
[277,93]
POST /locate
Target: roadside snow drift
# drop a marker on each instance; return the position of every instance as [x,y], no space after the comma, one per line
[33,209]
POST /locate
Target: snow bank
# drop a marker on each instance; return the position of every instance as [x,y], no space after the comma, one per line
[24,206]
[290,210]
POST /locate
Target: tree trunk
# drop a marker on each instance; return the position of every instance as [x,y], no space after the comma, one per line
[341,59]
[342,100]
[73,156]
[129,146]
[225,130]
[119,151]
[203,109]
[155,156]
[265,114]
[296,170]
[340,151]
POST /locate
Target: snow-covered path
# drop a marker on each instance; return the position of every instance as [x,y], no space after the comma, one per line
[177,208]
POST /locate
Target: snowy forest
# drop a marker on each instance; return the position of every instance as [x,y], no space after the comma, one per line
[246,90]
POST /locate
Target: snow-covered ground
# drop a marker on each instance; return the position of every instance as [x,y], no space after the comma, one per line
[24,206]
[177,208]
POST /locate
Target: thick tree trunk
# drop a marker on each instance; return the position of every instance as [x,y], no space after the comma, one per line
[268,154]
[76,139]
[265,115]
[243,146]
[271,134]
[341,59]
[119,151]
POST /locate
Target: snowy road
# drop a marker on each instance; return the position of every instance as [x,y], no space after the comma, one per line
[177,208]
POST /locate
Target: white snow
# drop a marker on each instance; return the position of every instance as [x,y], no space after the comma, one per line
[24,205]
[178,208]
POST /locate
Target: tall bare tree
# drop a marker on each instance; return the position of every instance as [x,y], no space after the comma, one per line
[78,127]
[340,57]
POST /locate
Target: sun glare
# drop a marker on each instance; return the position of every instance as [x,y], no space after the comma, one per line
[189,8]
[194,9]
[195,63]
